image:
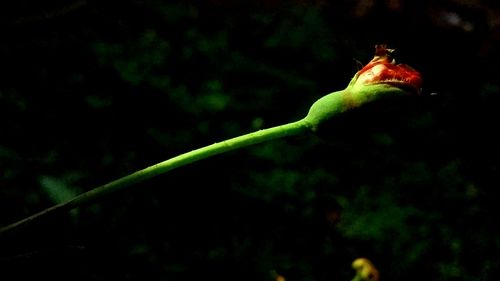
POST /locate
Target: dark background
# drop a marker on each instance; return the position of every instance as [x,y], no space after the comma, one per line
[93,90]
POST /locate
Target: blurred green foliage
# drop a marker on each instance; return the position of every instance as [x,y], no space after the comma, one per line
[94,91]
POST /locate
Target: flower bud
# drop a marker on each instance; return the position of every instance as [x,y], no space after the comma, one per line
[382,69]
[380,79]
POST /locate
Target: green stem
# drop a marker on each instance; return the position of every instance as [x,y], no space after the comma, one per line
[93,195]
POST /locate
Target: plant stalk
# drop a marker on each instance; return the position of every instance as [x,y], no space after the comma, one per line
[91,196]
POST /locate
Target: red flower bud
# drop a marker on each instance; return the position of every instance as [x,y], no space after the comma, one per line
[380,80]
[382,69]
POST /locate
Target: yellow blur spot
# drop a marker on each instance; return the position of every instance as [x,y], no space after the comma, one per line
[365,270]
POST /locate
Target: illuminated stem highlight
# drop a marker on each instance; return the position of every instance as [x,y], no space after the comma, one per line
[93,195]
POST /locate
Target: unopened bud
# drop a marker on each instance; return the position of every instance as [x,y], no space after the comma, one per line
[380,79]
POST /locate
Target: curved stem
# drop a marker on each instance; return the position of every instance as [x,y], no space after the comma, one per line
[93,195]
